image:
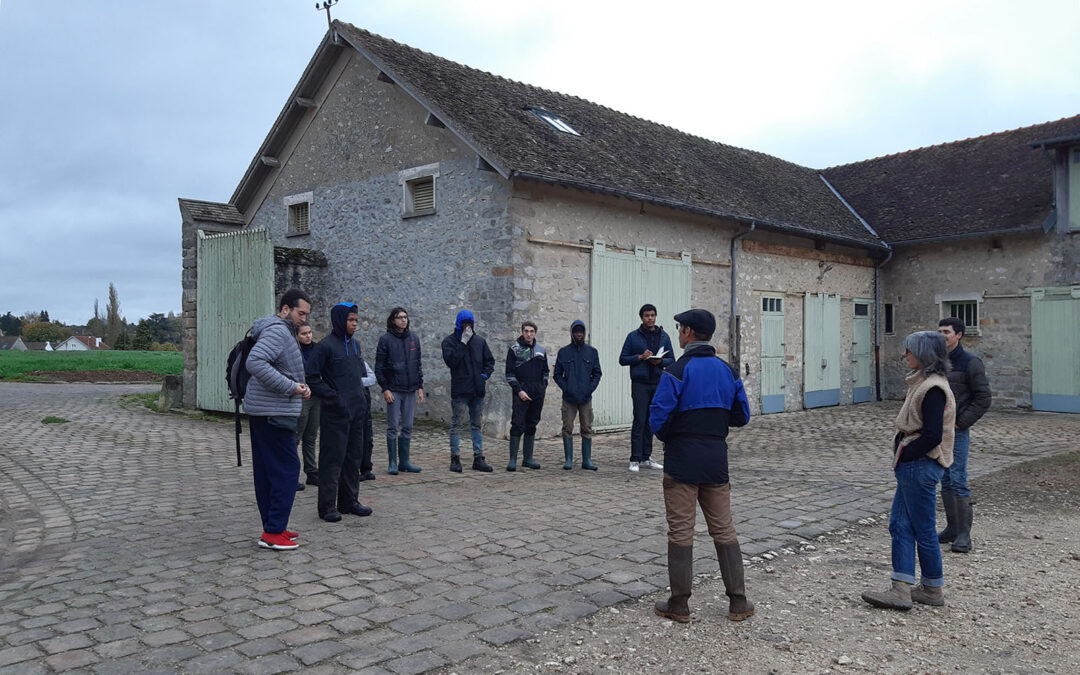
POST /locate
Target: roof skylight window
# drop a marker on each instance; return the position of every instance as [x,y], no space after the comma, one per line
[555,121]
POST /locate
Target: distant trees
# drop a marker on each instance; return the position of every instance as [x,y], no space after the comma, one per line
[43,331]
[114,323]
[11,324]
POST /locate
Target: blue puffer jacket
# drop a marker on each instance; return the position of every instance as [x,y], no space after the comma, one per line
[335,370]
[577,369]
[397,362]
[697,400]
[636,343]
[276,368]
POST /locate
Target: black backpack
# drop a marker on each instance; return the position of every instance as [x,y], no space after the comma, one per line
[237,376]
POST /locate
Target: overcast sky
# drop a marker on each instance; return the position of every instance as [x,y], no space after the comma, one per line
[111,109]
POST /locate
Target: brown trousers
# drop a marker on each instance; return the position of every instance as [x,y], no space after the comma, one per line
[681,500]
[583,411]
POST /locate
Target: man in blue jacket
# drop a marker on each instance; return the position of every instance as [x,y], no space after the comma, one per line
[471,363]
[698,399]
[647,351]
[401,376]
[335,373]
[577,372]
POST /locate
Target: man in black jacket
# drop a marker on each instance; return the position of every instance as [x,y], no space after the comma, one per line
[577,372]
[967,379]
[335,373]
[647,351]
[471,364]
[527,375]
[401,376]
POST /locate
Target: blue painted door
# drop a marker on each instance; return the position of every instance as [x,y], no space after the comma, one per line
[821,350]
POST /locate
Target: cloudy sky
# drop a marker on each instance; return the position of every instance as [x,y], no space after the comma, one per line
[112,109]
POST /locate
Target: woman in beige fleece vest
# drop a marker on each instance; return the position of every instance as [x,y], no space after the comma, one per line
[922,450]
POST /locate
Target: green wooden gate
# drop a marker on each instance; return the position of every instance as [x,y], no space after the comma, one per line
[236,286]
[620,284]
[861,346]
[1055,349]
[772,354]
[821,350]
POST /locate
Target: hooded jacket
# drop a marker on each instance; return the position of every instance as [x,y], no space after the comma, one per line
[335,370]
[636,343]
[470,364]
[276,368]
[397,362]
[577,369]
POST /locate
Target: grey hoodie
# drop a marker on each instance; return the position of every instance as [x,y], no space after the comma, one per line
[276,367]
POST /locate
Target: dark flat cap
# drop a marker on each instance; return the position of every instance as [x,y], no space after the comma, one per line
[701,321]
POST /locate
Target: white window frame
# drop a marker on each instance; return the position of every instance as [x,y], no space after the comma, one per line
[945,299]
[290,202]
[556,122]
[408,179]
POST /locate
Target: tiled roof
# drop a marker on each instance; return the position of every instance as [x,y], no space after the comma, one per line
[212,212]
[616,153]
[988,184]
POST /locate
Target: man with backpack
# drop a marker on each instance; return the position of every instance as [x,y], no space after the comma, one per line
[336,372]
[272,401]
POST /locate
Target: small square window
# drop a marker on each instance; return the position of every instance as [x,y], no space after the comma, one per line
[298,208]
[889,318]
[862,309]
[967,311]
[418,190]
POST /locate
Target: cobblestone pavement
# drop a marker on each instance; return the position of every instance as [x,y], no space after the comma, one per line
[127,538]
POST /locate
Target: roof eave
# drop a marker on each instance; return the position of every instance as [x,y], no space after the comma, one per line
[764,223]
[1027,229]
[1056,142]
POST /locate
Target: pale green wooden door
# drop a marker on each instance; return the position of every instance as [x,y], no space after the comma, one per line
[821,350]
[236,286]
[1055,349]
[861,346]
[620,284]
[772,354]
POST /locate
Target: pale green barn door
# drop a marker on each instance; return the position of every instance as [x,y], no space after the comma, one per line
[821,350]
[620,284]
[236,286]
[772,354]
[861,347]
[1055,349]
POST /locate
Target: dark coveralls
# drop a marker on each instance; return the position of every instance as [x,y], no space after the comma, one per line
[334,373]
[526,370]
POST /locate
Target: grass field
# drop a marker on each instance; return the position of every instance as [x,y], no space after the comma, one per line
[19,365]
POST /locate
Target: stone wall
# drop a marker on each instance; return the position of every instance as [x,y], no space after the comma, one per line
[349,157]
[772,264]
[1000,270]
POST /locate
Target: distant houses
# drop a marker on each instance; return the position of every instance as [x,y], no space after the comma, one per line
[12,343]
[81,343]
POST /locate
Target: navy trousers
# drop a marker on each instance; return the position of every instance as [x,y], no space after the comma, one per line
[341,449]
[276,470]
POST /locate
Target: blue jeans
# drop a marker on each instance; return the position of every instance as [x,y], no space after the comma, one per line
[459,407]
[912,522]
[401,412]
[955,478]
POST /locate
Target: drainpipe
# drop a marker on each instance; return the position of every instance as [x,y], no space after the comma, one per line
[734,337]
[877,322]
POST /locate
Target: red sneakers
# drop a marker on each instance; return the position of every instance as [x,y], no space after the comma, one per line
[277,542]
[289,534]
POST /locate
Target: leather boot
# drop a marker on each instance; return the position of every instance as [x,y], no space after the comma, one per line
[515,443]
[929,595]
[403,455]
[731,569]
[391,452]
[586,454]
[962,544]
[948,500]
[455,463]
[478,464]
[898,596]
[568,453]
[680,567]
[527,450]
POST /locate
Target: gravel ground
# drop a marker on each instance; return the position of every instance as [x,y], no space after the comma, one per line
[1013,603]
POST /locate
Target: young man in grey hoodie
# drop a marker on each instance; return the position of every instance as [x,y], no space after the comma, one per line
[272,403]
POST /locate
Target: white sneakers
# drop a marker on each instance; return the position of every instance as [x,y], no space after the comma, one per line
[634,466]
[647,464]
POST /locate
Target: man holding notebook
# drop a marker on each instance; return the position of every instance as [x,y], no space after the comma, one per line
[647,351]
